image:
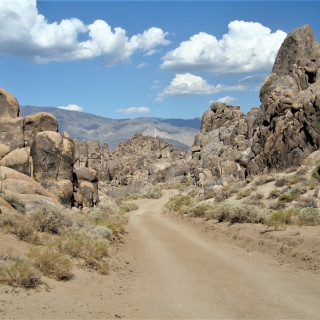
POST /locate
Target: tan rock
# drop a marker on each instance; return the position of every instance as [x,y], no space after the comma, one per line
[9,106]
[11,133]
[39,122]
[18,160]
[4,149]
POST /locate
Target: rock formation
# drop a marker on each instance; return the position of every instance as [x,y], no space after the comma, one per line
[279,134]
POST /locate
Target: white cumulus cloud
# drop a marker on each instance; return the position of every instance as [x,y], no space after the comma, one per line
[247,47]
[132,110]
[189,84]
[25,32]
[227,99]
[72,107]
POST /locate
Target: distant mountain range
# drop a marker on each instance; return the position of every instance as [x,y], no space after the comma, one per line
[86,126]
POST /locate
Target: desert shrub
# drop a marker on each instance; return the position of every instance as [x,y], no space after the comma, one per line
[281,182]
[304,216]
[50,220]
[51,263]
[297,178]
[198,210]
[280,218]
[236,213]
[263,180]
[308,216]
[243,193]
[312,183]
[274,193]
[116,223]
[81,245]
[315,173]
[127,207]
[97,231]
[18,272]
[289,197]
[20,226]
[179,203]
[153,195]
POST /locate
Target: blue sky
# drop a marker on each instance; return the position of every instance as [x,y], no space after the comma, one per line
[123,59]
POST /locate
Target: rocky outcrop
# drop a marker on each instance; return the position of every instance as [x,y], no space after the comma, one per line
[23,193]
[279,134]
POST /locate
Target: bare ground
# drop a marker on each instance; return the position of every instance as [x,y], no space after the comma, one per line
[168,268]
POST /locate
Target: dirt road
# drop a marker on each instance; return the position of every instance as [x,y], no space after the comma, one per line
[168,269]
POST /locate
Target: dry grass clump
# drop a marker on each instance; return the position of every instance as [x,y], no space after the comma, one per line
[19,225]
[127,207]
[289,197]
[281,182]
[243,193]
[50,220]
[263,180]
[153,195]
[18,272]
[82,245]
[179,203]
[274,193]
[51,263]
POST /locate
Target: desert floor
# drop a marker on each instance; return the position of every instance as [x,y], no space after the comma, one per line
[166,267]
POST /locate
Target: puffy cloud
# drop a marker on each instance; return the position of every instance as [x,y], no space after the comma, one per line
[25,32]
[189,84]
[247,47]
[227,99]
[134,110]
[72,107]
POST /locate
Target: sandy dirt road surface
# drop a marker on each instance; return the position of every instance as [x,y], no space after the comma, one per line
[168,269]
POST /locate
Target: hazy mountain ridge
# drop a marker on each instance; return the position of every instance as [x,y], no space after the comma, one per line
[86,126]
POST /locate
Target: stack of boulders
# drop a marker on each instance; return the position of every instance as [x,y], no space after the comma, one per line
[39,155]
[279,134]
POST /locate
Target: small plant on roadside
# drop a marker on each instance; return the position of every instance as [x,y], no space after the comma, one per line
[127,207]
[18,272]
[51,263]
[280,218]
[179,203]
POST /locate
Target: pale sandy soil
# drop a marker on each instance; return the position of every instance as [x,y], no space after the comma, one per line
[168,268]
